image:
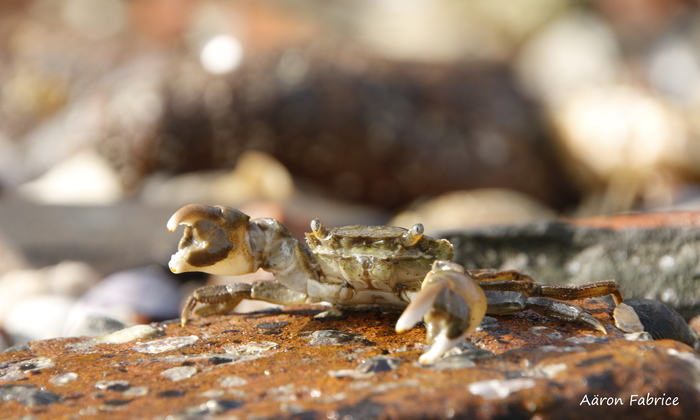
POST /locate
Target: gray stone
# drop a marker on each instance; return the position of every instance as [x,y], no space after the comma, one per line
[660,263]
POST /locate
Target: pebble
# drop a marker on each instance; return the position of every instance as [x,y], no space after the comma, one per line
[272,325]
[379,364]
[165,344]
[499,388]
[179,373]
[546,331]
[118,386]
[16,371]
[128,296]
[63,378]
[213,406]
[368,368]
[38,317]
[137,391]
[29,395]
[626,319]
[126,335]
[83,179]
[254,348]
[69,278]
[334,338]
[232,381]
[663,322]
[459,361]
[547,371]
[94,326]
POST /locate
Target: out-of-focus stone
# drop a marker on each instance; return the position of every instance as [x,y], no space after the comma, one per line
[10,259]
[128,296]
[109,238]
[229,366]
[38,317]
[651,256]
[67,278]
[662,322]
[480,207]
[83,179]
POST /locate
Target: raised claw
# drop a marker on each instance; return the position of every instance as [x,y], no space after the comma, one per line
[452,305]
[214,241]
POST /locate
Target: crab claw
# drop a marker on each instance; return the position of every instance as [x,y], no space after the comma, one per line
[452,305]
[214,241]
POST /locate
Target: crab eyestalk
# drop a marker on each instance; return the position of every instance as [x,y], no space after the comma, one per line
[214,241]
[452,305]
[412,236]
[320,231]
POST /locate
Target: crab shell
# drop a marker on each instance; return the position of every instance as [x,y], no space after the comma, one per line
[382,258]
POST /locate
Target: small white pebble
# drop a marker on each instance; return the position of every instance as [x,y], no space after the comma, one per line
[63,378]
[232,381]
[179,373]
[497,388]
[137,391]
[129,334]
[165,344]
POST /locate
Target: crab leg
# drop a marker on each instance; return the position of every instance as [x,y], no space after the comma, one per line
[452,305]
[215,299]
[514,281]
[511,291]
[505,303]
[219,299]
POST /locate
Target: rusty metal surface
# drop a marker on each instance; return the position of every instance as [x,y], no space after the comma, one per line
[282,364]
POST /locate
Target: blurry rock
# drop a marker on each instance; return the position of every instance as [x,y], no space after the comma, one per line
[473,208]
[37,317]
[108,238]
[10,259]
[18,285]
[256,176]
[627,320]
[83,179]
[359,128]
[93,326]
[694,323]
[624,146]
[130,297]
[571,53]
[68,278]
[620,82]
[658,260]
[72,278]
[662,322]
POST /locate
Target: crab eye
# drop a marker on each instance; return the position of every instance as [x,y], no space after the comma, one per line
[413,235]
[319,230]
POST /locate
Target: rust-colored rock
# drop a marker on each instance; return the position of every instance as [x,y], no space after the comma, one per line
[281,364]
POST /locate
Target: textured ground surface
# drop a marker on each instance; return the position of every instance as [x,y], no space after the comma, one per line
[281,364]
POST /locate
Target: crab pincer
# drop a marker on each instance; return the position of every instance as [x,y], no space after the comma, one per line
[451,304]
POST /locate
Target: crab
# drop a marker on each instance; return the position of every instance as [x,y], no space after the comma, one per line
[358,264]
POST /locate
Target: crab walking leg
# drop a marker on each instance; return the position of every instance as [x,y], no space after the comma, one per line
[215,300]
[219,299]
[505,303]
[514,281]
[452,305]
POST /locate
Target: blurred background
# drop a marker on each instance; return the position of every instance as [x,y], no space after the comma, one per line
[454,113]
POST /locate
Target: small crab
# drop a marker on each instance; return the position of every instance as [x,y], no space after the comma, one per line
[361,265]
